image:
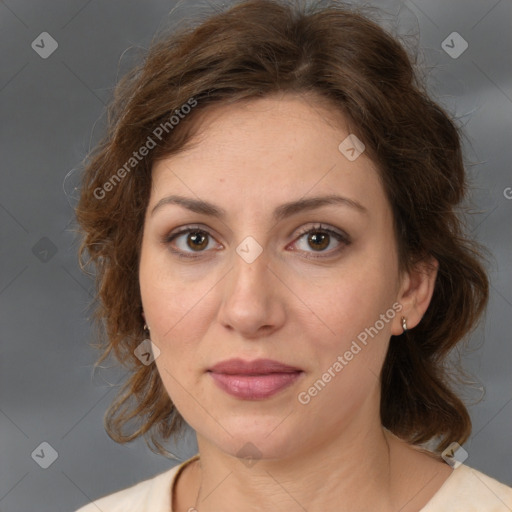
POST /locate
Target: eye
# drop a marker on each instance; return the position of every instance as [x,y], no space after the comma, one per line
[321,240]
[193,242]
[189,240]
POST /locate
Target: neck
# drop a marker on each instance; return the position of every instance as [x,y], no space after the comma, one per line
[352,471]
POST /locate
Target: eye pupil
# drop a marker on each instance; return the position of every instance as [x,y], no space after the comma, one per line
[197,240]
[318,241]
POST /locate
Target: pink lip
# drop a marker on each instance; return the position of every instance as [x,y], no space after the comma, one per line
[253,380]
[256,367]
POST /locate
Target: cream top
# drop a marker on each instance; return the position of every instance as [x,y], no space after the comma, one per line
[465,490]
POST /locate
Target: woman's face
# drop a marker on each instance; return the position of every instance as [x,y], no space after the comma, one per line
[251,279]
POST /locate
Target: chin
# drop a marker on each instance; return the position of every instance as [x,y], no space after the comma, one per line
[248,437]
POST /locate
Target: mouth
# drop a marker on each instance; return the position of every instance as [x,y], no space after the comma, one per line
[253,380]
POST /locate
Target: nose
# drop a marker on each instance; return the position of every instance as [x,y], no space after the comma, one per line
[252,302]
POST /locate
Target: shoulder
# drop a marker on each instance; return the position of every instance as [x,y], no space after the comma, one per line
[469,490]
[152,495]
[135,498]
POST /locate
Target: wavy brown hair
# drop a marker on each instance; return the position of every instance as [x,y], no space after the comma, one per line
[343,58]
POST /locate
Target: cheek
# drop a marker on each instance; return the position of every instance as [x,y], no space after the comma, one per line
[176,309]
[174,297]
[343,304]
[348,347]
[348,330]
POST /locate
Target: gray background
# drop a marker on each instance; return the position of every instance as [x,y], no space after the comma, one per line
[48,390]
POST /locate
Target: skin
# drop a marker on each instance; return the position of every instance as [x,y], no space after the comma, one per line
[248,159]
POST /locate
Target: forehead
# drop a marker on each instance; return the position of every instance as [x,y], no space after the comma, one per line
[274,148]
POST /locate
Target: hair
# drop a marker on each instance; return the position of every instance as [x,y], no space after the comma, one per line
[336,54]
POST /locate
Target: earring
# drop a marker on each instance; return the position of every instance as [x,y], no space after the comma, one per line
[147,351]
[404,324]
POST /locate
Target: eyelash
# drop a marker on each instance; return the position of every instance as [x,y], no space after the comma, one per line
[342,238]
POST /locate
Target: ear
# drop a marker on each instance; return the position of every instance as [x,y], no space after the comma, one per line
[416,290]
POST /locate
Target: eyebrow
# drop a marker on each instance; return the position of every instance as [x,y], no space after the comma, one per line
[281,212]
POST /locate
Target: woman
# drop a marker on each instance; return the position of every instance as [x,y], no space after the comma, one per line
[274,208]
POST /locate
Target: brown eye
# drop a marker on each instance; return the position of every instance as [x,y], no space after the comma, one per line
[319,241]
[197,240]
[191,242]
[323,241]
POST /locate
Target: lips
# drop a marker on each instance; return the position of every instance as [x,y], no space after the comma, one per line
[256,367]
[253,380]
